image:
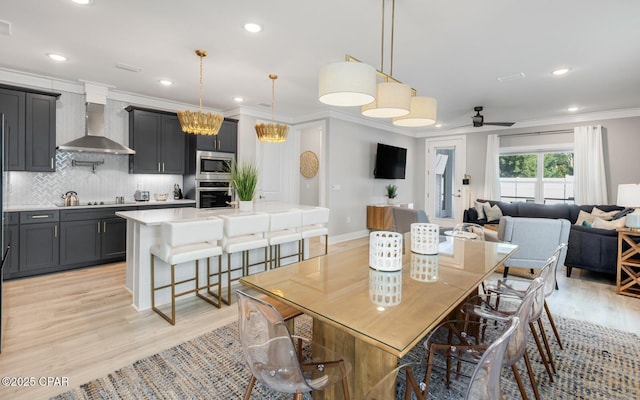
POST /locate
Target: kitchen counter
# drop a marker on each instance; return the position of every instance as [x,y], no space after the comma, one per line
[143,231]
[35,207]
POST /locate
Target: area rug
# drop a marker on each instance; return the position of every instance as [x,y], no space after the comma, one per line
[597,363]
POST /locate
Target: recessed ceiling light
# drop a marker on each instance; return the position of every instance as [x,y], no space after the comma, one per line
[560,71]
[83,2]
[165,82]
[238,99]
[572,109]
[438,125]
[252,27]
[57,57]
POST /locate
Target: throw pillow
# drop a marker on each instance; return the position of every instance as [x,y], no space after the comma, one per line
[493,213]
[624,212]
[605,215]
[585,216]
[602,224]
[479,206]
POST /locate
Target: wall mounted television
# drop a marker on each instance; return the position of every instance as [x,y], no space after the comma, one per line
[391,162]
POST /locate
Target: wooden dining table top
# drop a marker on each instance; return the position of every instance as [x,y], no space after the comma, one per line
[342,290]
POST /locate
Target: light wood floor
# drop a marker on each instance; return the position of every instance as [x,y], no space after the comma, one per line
[80,324]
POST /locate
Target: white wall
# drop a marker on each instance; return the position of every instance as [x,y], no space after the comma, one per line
[351,160]
[621,144]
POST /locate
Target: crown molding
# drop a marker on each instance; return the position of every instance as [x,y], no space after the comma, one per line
[564,119]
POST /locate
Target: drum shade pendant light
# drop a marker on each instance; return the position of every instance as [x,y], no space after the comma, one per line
[347,84]
[272,133]
[198,122]
[350,84]
[422,113]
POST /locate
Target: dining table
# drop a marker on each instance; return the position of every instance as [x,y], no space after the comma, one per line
[373,317]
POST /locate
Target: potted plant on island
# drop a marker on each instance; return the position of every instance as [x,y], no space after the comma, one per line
[392,193]
[244,179]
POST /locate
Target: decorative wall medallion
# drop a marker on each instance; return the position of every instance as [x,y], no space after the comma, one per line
[308,164]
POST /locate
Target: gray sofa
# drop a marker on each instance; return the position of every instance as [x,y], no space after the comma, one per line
[589,248]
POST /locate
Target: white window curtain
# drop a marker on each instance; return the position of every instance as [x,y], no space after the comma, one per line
[588,169]
[492,169]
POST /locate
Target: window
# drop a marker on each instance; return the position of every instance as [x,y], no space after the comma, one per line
[541,177]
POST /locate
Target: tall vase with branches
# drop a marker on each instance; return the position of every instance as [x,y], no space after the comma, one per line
[244,178]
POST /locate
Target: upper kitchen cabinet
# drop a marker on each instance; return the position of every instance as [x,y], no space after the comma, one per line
[158,140]
[225,141]
[29,129]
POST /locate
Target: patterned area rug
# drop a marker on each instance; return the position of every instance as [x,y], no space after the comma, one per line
[596,363]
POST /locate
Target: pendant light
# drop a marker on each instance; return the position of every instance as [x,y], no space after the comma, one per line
[272,133]
[422,113]
[393,98]
[347,84]
[198,122]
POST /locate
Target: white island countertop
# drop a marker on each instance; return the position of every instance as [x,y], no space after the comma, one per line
[156,217]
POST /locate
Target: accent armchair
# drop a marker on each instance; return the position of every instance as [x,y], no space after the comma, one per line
[537,239]
[404,217]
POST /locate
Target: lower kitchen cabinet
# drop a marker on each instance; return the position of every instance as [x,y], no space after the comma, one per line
[79,242]
[56,240]
[91,236]
[113,238]
[39,247]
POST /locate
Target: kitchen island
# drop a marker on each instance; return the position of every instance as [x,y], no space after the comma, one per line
[143,231]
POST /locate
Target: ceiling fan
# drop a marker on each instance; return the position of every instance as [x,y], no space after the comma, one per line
[478,119]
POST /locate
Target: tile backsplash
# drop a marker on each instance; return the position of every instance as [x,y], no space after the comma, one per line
[110,179]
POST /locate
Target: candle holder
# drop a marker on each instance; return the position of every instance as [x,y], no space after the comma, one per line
[424,268]
[425,238]
[385,251]
[385,288]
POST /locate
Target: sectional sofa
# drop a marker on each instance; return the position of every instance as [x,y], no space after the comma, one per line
[593,249]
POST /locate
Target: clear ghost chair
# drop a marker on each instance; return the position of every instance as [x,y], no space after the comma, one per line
[536,314]
[477,348]
[280,362]
[518,286]
[475,231]
[403,379]
[482,307]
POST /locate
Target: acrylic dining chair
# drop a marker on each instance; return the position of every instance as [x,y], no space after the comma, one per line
[281,361]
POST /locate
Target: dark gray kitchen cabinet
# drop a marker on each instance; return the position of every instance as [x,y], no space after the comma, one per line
[39,242]
[158,140]
[113,239]
[40,138]
[12,238]
[225,141]
[12,105]
[79,242]
[30,129]
[91,236]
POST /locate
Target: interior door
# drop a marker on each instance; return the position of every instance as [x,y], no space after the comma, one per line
[278,166]
[446,164]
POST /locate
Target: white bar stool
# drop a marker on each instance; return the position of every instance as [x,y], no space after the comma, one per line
[244,232]
[185,241]
[314,222]
[284,227]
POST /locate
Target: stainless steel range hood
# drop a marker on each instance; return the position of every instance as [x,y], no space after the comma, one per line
[94,140]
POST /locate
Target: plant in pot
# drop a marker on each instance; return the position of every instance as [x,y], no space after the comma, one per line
[244,178]
[392,193]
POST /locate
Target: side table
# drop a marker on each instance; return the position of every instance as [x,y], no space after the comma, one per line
[628,271]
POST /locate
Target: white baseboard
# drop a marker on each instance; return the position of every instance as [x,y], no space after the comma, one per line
[348,236]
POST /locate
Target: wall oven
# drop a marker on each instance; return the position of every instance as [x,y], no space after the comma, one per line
[213,166]
[213,194]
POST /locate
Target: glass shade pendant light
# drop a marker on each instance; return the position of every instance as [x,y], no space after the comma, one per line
[347,84]
[422,113]
[272,133]
[198,122]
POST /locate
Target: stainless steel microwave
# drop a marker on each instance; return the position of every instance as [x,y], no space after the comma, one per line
[212,165]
